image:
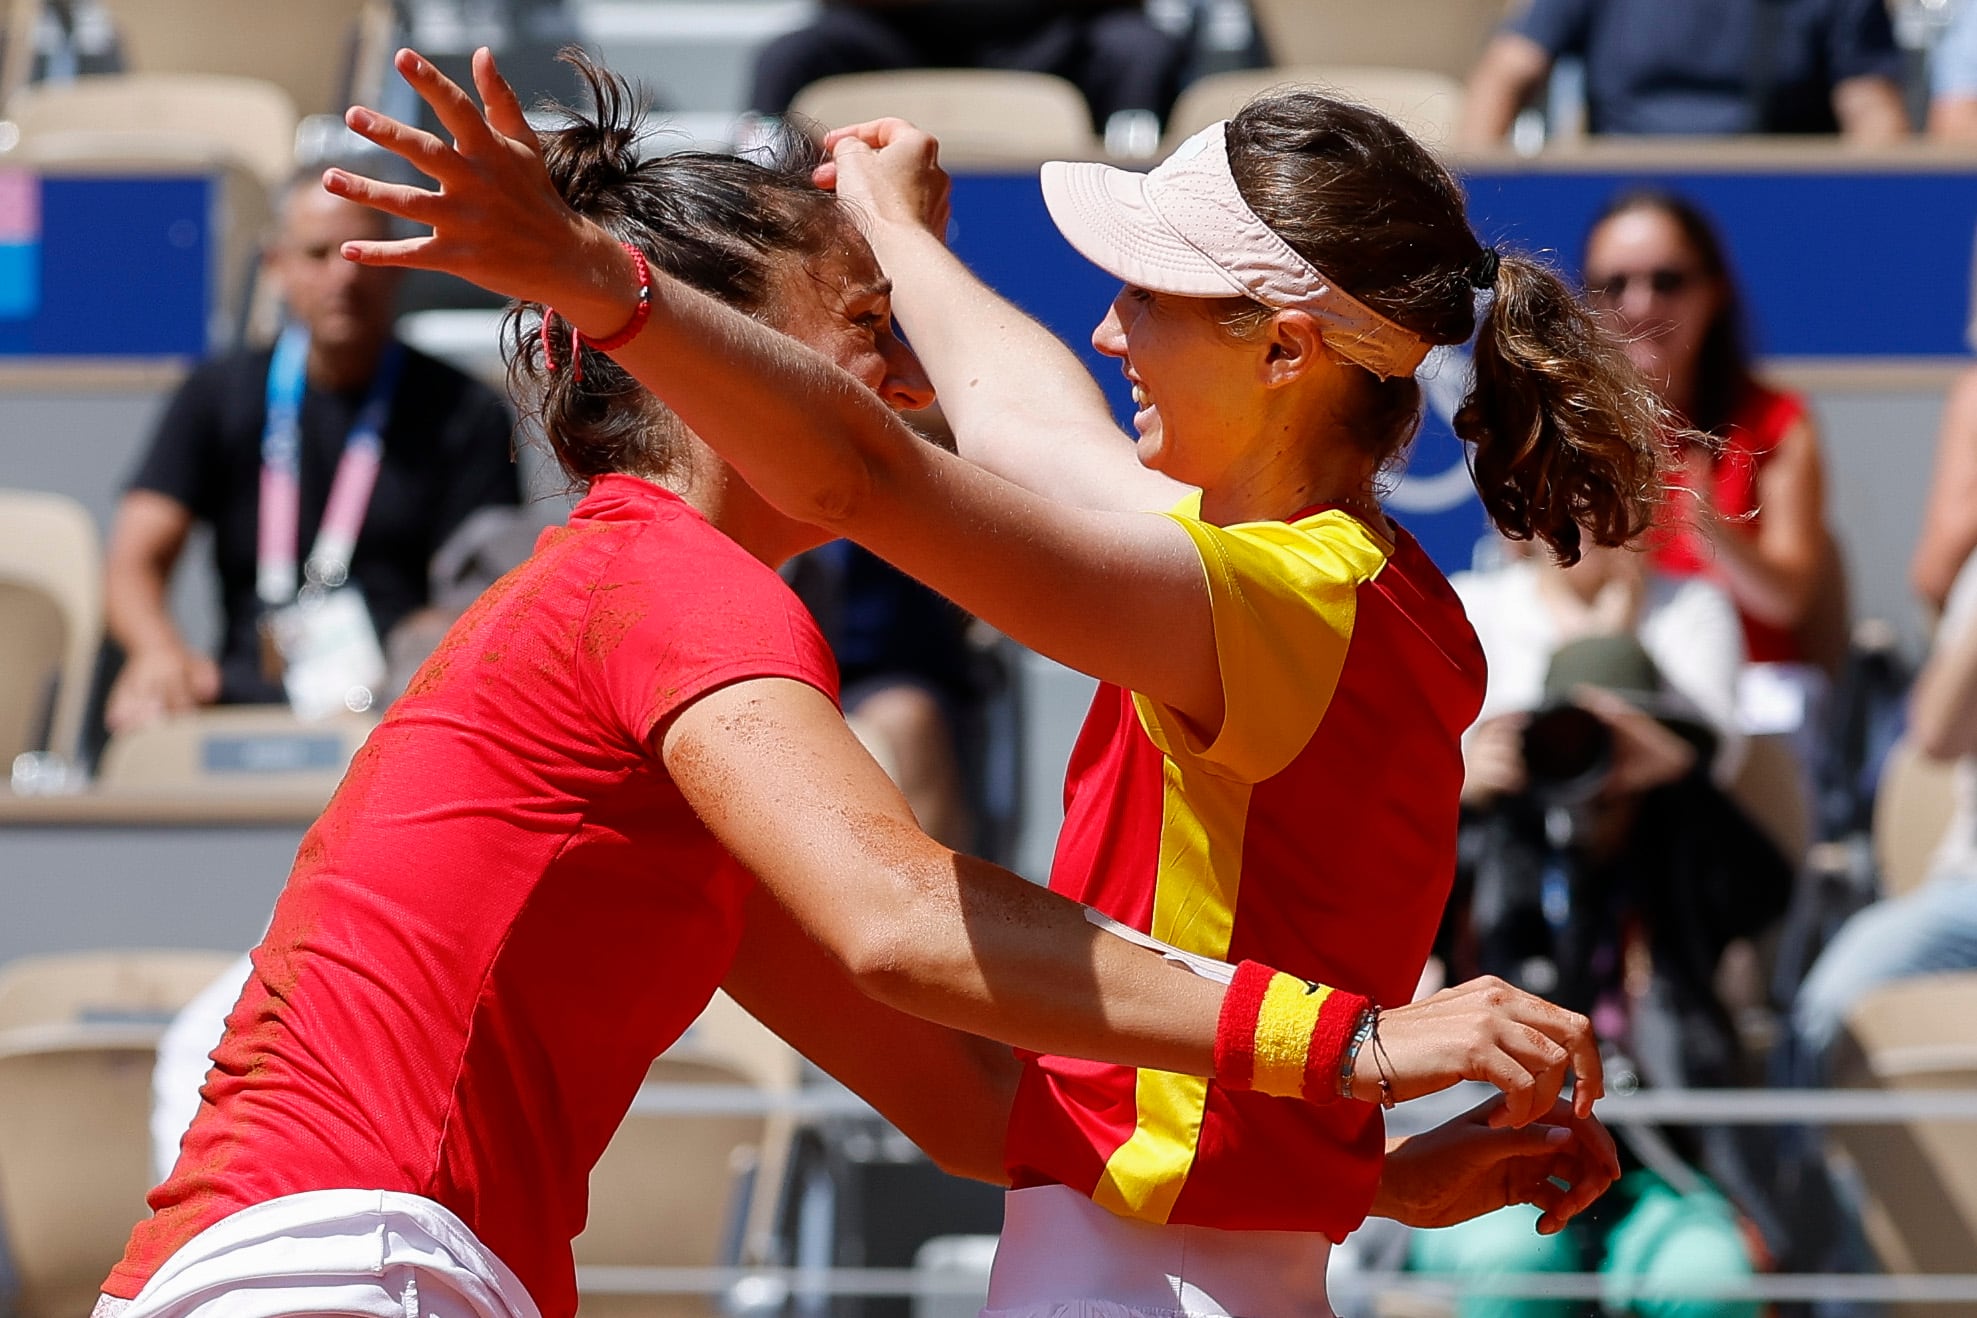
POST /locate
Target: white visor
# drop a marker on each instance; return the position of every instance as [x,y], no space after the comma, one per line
[1185,229]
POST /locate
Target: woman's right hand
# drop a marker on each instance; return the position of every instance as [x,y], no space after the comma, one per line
[1483,1030]
[890,169]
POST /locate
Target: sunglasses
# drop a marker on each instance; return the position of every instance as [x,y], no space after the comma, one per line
[1664,282]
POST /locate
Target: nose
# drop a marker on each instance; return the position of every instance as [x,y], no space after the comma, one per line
[1109,338]
[905,386]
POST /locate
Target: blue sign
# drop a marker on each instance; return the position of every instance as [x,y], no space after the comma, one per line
[106,267]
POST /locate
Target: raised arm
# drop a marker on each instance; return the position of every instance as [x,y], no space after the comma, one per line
[775,775]
[1127,600]
[1019,400]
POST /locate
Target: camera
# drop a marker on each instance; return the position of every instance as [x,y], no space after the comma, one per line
[1568,750]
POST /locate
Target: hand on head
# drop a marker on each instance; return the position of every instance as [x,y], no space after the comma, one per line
[891,170]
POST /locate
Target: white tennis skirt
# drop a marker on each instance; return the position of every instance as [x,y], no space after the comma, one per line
[366,1253]
[1062,1256]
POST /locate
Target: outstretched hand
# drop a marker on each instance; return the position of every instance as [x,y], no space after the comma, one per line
[1466,1167]
[891,170]
[496,217]
[1490,1031]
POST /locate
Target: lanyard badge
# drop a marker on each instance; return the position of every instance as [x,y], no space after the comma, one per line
[319,634]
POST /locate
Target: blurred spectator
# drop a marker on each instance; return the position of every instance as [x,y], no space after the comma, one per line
[1949,524]
[1119,59]
[1751,517]
[1934,927]
[1700,66]
[446,450]
[1601,862]
[909,678]
[1953,80]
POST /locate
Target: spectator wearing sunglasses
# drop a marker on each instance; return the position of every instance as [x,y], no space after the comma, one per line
[1752,515]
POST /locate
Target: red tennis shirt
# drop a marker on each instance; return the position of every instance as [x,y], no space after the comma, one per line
[1315,833]
[507,911]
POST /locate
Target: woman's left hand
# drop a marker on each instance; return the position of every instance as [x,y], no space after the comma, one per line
[497,219]
[1464,1168]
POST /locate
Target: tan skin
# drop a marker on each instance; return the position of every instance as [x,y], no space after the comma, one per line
[769,764]
[1513,69]
[348,310]
[1774,571]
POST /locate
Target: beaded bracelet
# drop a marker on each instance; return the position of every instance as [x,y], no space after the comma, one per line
[640,314]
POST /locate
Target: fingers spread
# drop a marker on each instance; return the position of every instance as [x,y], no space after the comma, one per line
[402,200]
[415,146]
[411,253]
[504,109]
[456,111]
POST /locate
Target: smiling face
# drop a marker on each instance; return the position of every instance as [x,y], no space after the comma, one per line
[1200,406]
[1647,279]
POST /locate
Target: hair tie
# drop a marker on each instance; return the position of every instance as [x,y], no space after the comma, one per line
[1483,273]
[640,315]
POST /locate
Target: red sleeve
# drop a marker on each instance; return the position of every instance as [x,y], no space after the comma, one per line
[663,637]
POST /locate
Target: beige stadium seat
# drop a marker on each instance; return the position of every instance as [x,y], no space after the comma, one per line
[979,115]
[307,49]
[242,750]
[1771,788]
[1442,36]
[1425,104]
[182,115]
[663,1195]
[1920,1180]
[116,986]
[75,1164]
[51,620]
[1912,810]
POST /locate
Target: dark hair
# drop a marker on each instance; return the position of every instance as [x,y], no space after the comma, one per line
[716,222]
[1566,435]
[1723,366]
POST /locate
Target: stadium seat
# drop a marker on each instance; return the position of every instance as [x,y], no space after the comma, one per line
[184,116]
[670,1191]
[142,987]
[979,115]
[308,50]
[1912,809]
[1442,36]
[51,621]
[235,749]
[1426,104]
[1919,1180]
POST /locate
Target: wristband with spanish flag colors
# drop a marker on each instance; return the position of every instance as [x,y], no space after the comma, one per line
[1282,1035]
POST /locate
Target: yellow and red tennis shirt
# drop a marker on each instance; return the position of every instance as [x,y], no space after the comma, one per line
[1315,833]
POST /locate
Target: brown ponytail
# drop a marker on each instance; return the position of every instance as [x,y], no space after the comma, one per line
[1567,436]
[718,223]
[1568,440]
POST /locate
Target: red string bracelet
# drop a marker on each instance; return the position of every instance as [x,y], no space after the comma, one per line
[640,314]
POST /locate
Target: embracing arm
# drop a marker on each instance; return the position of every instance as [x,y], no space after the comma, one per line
[1018,399]
[776,776]
[953,1099]
[1128,600]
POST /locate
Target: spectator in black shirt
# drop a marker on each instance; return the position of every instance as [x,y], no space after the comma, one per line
[1700,66]
[447,450]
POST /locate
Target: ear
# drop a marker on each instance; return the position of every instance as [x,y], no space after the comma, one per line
[1294,346]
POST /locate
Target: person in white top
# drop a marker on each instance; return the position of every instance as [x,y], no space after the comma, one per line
[1524,611]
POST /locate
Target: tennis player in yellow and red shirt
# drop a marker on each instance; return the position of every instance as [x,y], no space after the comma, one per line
[1272,767]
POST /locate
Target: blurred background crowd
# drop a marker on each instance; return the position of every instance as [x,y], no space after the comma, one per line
[1722,796]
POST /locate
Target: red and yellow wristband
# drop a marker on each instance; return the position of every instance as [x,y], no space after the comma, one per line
[1286,1036]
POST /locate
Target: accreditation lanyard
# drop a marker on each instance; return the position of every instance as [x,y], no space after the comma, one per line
[328,565]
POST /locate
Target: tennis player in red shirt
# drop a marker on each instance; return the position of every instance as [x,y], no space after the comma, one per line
[539,867]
